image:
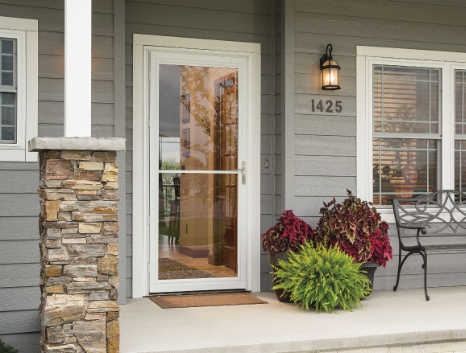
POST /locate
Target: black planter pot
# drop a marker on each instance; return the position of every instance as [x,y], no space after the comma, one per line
[370,267]
[273,260]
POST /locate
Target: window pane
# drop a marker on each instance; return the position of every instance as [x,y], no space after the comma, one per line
[8,117]
[403,168]
[406,100]
[7,78]
[7,62]
[8,133]
[7,46]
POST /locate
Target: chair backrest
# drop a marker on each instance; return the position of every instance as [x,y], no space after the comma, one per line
[442,212]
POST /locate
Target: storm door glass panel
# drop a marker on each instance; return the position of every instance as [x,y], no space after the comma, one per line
[198,121]
[198,167]
[460,131]
[8,93]
[406,132]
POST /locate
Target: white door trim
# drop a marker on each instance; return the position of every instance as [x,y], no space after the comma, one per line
[250,51]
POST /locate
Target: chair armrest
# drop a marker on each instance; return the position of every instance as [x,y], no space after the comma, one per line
[423,229]
[420,229]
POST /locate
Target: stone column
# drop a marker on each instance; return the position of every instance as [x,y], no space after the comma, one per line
[78,244]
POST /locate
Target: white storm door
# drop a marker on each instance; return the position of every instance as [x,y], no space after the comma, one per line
[197,104]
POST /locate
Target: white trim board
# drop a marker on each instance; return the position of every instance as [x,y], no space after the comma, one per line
[410,54]
[142,44]
[190,43]
[19,24]
[366,57]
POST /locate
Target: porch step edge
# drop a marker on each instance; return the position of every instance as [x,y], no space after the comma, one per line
[363,344]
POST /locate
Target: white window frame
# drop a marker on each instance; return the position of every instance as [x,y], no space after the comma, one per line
[25,32]
[366,58]
[142,44]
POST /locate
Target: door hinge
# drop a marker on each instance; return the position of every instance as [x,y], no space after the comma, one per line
[149,75]
[148,219]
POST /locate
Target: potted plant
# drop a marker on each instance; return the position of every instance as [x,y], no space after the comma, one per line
[357,228]
[321,277]
[288,234]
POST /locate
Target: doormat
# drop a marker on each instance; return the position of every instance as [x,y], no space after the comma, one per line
[187,301]
[171,269]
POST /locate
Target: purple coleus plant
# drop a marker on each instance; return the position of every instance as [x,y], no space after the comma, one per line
[288,234]
[357,228]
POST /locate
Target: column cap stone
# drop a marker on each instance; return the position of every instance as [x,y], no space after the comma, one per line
[38,144]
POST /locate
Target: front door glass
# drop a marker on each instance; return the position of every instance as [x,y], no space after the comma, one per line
[197,163]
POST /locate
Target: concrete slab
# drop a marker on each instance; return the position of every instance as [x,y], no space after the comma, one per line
[38,144]
[396,319]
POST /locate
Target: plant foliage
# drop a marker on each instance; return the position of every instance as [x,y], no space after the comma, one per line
[4,348]
[323,277]
[357,228]
[287,234]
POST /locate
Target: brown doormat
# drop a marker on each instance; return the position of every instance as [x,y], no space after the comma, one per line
[186,301]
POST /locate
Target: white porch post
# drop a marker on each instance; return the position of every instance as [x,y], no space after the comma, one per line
[78,31]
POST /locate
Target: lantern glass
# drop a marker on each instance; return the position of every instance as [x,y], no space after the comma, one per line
[330,75]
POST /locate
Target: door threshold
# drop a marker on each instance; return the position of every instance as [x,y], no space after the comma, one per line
[208,292]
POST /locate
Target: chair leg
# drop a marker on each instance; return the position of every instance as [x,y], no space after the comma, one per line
[399,270]
[424,256]
[400,265]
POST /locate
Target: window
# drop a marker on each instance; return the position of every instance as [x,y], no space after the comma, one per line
[18,88]
[411,123]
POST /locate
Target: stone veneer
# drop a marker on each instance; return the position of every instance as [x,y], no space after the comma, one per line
[79,251]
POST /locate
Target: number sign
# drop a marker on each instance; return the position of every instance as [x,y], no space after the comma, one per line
[327,107]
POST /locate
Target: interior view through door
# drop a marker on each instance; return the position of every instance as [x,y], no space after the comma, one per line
[197,173]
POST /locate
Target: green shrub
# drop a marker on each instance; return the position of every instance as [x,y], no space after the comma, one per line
[323,278]
[4,348]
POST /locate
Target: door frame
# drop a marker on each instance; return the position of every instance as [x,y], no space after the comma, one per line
[140,152]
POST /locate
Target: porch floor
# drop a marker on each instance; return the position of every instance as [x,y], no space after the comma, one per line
[387,319]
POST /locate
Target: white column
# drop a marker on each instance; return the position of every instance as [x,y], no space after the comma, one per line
[78,31]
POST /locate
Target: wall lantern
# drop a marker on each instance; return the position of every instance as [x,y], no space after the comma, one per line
[330,70]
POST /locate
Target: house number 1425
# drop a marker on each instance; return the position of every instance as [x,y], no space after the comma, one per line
[328,108]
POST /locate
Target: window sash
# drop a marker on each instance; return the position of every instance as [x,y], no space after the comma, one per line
[384,186]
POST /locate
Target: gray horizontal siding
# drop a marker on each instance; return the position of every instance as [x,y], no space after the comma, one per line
[197,18]
[24,342]
[23,274]
[325,125]
[325,144]
[316,145]
[242,21]
[20,227]
[20,321]
[396,11]
[243,6]
[19,203]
